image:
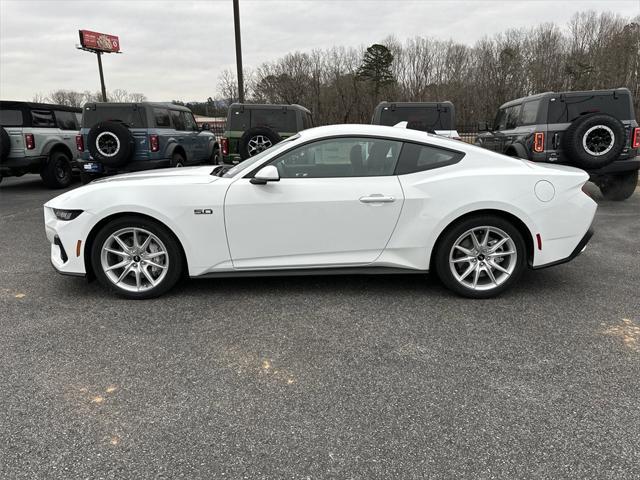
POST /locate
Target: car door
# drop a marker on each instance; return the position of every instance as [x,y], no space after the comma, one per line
[191,127]
[183,137]
[336,204]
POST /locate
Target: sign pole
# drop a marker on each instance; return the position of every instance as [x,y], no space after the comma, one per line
[236,23]
[104,90]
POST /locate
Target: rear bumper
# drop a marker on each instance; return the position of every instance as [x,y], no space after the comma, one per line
[582,244]
[22,165]
[619,166]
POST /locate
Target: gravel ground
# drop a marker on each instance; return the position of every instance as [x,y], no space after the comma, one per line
[328,377]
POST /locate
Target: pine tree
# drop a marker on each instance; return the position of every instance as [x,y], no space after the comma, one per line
[376,67]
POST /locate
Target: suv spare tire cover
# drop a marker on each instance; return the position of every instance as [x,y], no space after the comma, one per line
[111,143]
[5,144]
[257,139]
[594,140]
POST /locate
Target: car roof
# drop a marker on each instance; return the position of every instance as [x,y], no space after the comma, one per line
[170,105]
[269,106]
[395,133]
[446,103]
[566,94]
[6,104]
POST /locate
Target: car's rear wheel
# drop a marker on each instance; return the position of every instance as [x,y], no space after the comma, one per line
[619,187]
[480,257]
[136,258]
[57,172]
[257,140]
[215,157]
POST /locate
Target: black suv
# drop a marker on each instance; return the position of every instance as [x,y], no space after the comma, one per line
[252,128]
[432,117]
[38,138]
[126,137]
[593,130]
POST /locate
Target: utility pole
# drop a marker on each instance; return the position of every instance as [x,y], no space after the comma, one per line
[104,89]
[236,23]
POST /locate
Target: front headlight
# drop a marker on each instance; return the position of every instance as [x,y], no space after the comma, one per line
[66,214]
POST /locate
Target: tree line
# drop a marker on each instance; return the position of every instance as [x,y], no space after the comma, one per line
[343,85]
[73,98]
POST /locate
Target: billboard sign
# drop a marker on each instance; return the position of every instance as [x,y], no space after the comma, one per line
[99,41]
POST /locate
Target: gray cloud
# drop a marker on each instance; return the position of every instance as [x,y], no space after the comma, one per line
[176,49]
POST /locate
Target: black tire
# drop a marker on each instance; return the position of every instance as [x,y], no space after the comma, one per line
[5,144]
[591,134]
[177,160]
[246,150]
[215,156]
[619,187]
[57,172]
[116,143]
[174,252]
[453,234]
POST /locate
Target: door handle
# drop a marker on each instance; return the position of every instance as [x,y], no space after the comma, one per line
[377,198]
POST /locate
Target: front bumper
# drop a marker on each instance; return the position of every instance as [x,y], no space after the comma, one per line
[67,239]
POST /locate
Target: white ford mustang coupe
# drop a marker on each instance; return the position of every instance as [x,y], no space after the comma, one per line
[336,199]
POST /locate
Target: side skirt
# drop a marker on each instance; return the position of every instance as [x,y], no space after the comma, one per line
[304,272]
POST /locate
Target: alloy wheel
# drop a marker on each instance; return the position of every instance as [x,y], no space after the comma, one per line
[483,258]
[134,259]
[598,140]
[258,144]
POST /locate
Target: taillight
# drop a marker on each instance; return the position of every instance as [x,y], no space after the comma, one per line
[224,144]
[30,141]
[80,143]
[538,142]
[154,143]
[635,138]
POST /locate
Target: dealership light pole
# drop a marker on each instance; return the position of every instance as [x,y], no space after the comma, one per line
[236,23]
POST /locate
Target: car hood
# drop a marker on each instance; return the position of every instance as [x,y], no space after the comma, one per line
[164,178]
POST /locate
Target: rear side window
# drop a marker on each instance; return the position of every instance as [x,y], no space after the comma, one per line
[66,120]
[278,120]
[566,109]
[130,116]
[176,118]
[42,118]
[530,113]
[426,119]
[161,116]
[10,118]
[418,158]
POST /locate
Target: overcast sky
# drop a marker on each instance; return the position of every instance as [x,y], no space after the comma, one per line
[176,49]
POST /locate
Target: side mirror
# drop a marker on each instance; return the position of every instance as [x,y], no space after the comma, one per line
[483,127]
[266,174]
[206,126]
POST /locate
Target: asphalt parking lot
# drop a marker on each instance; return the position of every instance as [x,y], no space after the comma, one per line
[329,377]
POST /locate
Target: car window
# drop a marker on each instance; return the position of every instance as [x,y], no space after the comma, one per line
[418,158]
[530,113]
[340,157]
[512,117]
[250,162]
[177,119]
[425,118]
[280,120]
[565,109]
[42,118]
[66,120]
[78,118]
[161,116]
[189,121]
[10,118]
[307,121]
[132,117]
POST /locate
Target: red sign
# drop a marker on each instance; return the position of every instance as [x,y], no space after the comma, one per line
[99,41]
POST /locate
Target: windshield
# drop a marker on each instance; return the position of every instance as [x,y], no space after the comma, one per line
[249,162]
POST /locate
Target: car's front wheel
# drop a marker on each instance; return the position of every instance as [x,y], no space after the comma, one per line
[480,257]
[136,257]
